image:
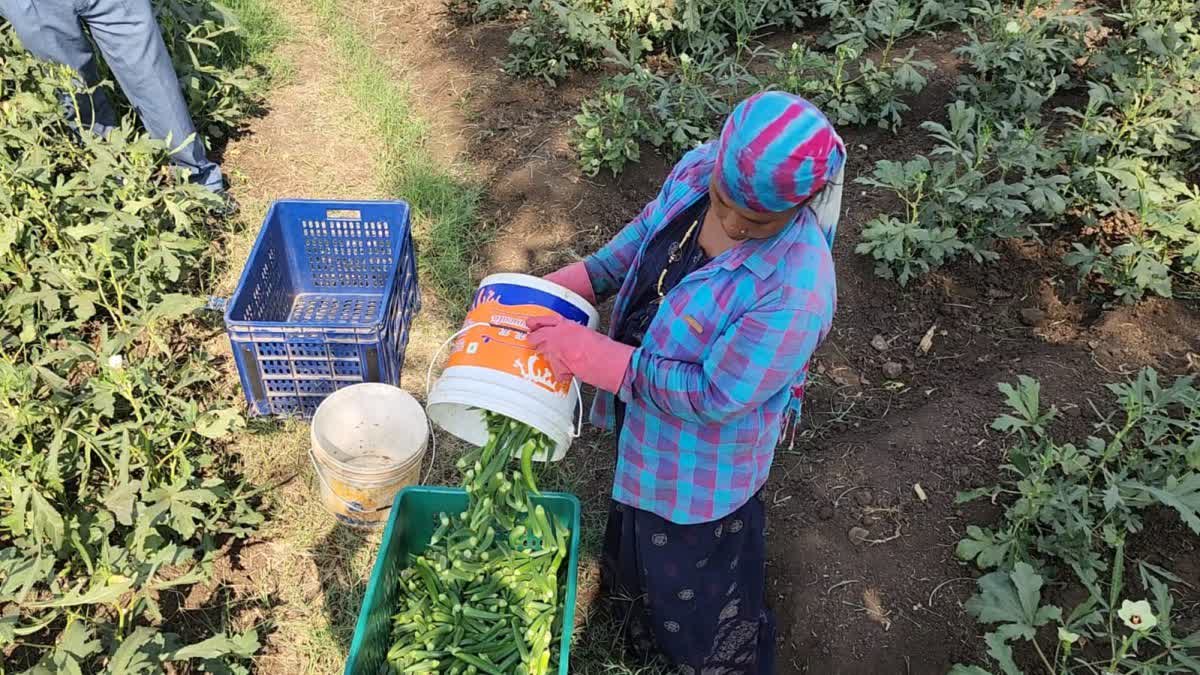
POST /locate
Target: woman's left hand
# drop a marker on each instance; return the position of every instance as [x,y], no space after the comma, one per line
[577,350]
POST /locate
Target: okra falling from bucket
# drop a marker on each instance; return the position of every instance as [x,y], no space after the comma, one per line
[492,366]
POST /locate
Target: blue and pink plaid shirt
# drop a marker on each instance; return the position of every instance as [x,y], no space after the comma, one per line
[723,361]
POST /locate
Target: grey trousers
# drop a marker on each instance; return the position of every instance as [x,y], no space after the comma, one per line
[130,40]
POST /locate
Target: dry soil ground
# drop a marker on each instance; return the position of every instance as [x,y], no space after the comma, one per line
[889,604]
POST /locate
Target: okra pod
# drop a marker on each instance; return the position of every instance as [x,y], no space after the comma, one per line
[475,613]
[479,599]
[479,663]
[527,466]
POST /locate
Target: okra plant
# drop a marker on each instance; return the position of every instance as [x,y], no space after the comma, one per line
[882,21]
[608,132]
[557,39]
[114,488]
[1133,151]
[673,110]
[1072,511]
[862,75]
[986,180]
[210,55]
[851,88]
[1020,56]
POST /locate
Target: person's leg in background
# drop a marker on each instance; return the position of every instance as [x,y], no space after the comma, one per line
[51,31]
[132,44]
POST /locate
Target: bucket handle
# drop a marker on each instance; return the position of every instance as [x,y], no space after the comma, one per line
[578,430]
[428,388]
[437,355]
[352,507]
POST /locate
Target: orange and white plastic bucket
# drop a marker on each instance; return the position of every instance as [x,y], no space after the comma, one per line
[492,367]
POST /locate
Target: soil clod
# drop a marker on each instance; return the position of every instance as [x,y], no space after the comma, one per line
[1032,316]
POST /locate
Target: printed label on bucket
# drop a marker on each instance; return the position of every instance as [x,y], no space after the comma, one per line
[496,337]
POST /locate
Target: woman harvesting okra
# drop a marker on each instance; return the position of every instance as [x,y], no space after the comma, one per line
[724,288]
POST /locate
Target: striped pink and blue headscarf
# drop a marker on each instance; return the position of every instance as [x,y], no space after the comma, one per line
[776,151]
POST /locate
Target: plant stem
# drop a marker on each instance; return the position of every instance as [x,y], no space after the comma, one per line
[1042,655]
[1120,656]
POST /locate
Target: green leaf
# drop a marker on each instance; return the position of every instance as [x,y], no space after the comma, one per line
[19,573]
[1149,571]
[1002,653]
[1112,497]
[966,496]
[1181,495]
[121,499]
[75,645]
[39,624]
[1008,423]
[1029,588]
[218,423]
[181,505]
[8,237]
[19,492]
[176,305]
[83,306]
[1153,40]
[1024,398]
[1013,602]
[1071,460]
[1163,602]
[8,629]
[242,645]
[45,521]
[52,379]
[997,601]
[137,653]
[99,595]
[982,547]
[87,231]
[1187,660]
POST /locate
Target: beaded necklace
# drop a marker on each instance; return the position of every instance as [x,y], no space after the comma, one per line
[675,253]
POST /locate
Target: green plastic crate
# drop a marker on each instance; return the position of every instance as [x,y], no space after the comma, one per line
[411,524]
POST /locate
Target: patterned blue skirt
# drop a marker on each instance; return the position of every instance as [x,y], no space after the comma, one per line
[692,595]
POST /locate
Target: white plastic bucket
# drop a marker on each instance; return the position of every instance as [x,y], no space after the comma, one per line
[493,368]
[368,441]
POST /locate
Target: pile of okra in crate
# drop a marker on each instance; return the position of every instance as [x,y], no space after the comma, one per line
[485,597]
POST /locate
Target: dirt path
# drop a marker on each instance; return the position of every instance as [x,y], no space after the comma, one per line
[887,601]
[301,580]
[308,144]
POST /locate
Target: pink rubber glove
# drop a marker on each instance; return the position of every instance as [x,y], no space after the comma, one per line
[577,350]
[574,277]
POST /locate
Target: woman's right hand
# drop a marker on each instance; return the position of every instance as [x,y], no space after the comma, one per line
[575,278]
[576,350]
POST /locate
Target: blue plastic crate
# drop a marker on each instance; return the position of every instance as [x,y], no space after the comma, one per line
[325,301]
